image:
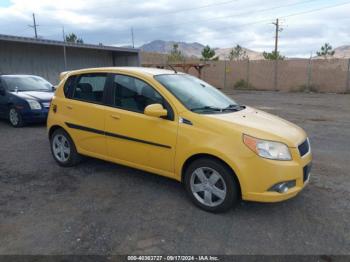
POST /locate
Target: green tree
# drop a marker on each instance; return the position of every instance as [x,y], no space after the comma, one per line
[326,51]
[175,54]
[208,54]
[72,38]
[273,56]
[237,53]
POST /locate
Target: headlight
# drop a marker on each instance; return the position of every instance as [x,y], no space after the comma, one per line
[267,149]
[34,105]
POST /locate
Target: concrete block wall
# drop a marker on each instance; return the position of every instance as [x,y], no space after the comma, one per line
[330,75]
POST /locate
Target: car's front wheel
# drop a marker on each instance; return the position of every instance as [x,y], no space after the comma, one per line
[211,185]
[15,117]
[63,149]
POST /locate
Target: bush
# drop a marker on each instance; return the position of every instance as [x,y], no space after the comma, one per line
[305,89]
[243,84]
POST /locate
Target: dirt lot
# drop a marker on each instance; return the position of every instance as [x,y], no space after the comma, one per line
[99,207]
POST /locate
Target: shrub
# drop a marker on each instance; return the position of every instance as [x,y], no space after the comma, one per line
[243,84]
[306,89]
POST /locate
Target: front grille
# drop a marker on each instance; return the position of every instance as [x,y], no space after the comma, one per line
[304,148]
[306,172]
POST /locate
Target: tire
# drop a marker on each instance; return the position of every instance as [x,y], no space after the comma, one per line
[211,185]
[15,117]
[63,149]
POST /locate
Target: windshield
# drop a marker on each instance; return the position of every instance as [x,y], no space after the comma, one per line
[26,83]
[197,95]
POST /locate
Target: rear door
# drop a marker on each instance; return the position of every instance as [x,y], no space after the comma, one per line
[84,112]
[134,137]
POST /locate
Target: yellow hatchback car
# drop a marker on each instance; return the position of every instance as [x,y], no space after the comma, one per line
[178,126]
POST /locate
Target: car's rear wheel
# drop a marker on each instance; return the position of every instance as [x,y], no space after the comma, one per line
[211,185]
[63,149]
[15,117]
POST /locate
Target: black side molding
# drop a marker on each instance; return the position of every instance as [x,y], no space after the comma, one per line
[100,132]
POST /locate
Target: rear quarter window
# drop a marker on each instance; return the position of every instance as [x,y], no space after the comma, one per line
[68,86]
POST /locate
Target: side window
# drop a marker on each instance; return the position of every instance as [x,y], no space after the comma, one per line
[90,87]
[133,94]
[68,86]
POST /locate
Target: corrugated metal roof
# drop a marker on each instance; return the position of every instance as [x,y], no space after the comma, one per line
[21,39]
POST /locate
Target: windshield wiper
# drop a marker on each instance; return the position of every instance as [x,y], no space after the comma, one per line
[207,108]
[233,107]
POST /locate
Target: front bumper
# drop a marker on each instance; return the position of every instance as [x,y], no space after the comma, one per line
[31,116]
[264,174]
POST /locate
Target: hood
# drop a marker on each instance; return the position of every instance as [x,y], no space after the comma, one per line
[263,125]
[36,95]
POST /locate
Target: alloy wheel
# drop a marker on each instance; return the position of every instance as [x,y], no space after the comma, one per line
[208,186]
[13,116]
[61,148]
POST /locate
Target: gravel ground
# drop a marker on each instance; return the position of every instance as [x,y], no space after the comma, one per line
[103,208]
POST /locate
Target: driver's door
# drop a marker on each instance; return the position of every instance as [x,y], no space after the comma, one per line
[135,138]
[3,99]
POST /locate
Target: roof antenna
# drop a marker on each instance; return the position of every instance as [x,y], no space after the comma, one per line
[172,68]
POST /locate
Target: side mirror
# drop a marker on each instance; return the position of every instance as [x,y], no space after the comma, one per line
[155,110]
[53,88]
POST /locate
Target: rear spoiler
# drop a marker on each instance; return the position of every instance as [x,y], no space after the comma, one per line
[63,74]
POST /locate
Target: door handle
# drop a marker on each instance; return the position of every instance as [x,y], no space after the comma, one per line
[69,107]
[115,116]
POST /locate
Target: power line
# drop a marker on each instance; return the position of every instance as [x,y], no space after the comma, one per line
[268,20]
[234,14]
[262,10]
[239,14]
[196,8]
[161,13]
[290,15]
[315,10]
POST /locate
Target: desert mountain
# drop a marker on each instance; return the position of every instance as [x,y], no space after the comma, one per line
[192,49]
[165,47]
[223,53]
[342,51]
[195,49]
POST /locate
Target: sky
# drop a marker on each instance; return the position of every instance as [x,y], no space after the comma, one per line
[306,24]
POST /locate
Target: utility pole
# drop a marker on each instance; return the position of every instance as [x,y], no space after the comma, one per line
[278,29]
[276,35]
[309,72]
[132,37]
[225,68]
[347,89]
[34,26]
[64,48]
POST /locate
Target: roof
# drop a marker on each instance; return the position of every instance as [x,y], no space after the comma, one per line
[19,75]
[21,39]
[146,70]
[138,70]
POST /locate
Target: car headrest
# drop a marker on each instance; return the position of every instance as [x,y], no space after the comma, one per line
[85,87]
[148,92]
[125,92]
